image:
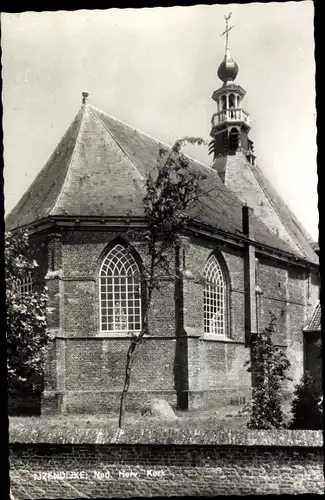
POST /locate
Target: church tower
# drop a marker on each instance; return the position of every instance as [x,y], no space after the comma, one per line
[230,124]
[235,162]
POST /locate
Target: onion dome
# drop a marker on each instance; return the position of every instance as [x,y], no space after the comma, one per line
[228,69]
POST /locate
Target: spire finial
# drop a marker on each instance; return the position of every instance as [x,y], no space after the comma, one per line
[84,97]
[227,29]
[228,69]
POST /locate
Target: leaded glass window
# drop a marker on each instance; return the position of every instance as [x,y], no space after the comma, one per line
[120,292]
[215,299]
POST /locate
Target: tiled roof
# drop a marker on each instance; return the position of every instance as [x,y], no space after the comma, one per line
[251,186]
[40,198]
[99,169]
[314,324]
[300,236]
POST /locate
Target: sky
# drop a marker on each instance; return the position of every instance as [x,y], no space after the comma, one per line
[155,69]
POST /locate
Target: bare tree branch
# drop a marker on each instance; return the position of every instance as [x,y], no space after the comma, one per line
[168,195]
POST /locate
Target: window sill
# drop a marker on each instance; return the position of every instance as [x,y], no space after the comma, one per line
[215,338]
[109,335]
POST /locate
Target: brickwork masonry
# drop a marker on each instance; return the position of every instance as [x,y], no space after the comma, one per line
[177,464]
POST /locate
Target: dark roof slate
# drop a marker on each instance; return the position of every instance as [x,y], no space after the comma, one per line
[302,239]
[40,198]
[99,169]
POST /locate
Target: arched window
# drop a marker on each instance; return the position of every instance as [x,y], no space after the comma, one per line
[215,298]
[233,140]
[120,292]
[232,101]
[25,285]
[223,102]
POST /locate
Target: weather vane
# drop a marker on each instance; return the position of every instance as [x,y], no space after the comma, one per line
[227,29]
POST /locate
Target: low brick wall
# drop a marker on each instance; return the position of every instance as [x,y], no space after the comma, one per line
[236,463]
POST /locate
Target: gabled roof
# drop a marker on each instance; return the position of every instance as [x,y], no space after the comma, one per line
[314,324]
[252,187]
[299,234]
[88,174]
[40,198]
[99,169]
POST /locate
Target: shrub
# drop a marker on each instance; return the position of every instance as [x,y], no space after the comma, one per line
[26,327]
[269,366]
[307,405]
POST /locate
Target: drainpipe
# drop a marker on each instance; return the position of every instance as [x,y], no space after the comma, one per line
[249,277]
[250,288]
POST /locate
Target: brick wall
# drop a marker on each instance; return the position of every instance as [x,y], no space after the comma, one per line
[80,298]
[90,374]
[134,470]
[103,362]
[177,358]
[216,369]
[314,289]
[217,373]
[284,293]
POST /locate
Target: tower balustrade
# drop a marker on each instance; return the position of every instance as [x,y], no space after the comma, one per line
[230,115]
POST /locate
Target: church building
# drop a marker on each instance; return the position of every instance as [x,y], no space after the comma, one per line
[243,256]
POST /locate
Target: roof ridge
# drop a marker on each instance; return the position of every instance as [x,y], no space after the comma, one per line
[39,173]
[158,141]
[93,110]
[82,112]
[131,126]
